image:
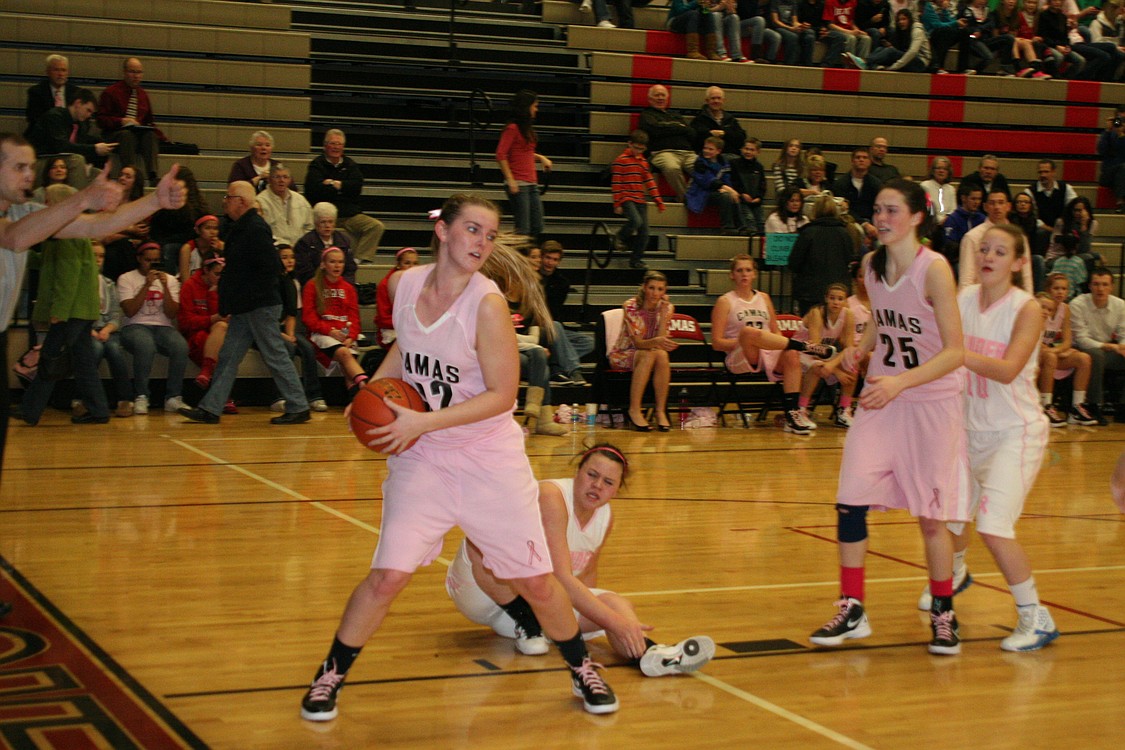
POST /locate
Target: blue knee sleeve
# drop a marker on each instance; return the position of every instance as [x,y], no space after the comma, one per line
[851,523]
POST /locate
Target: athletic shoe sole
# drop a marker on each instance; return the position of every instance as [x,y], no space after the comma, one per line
[319,716]
[861,630]
[606,708]
[1044,639]
[693,654]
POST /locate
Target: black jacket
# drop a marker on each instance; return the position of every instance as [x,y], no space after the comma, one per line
[733,134]
[50,134]
[40,99]
[748,177]
[249,279]
[862,201]
[666,131]
[820,256]
[346,199]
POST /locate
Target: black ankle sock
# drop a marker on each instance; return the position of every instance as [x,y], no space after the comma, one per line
[573,650]
[520,611]
[649,643]
[789,400]
[340,656]
[942,604]
[797,345]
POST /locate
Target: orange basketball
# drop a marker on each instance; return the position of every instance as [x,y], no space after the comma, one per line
[368,409]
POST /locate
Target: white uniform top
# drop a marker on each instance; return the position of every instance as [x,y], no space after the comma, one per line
[1052,331]
[861,316]
[584,542]
[989,404]
[753,312]
[12,265]
[833,330]
[440,360]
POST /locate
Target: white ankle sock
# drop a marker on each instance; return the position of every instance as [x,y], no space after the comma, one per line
[1025,594]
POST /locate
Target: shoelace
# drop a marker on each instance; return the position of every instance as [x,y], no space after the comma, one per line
[842,615]
[522,634]
[588,673]
[943,626]
[324,685]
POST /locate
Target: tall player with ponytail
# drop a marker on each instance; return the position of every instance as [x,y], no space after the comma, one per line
[456,345]
[906,448]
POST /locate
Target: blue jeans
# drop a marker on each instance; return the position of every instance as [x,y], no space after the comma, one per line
[798,45]
[889,56]
[533,365]
[310,368]
[751,216]
[727,30]
[759,34]
[110,350]
[143,342]
[689,22]
[568,348]
[73,334]
[624,12]
[527,211]
[258,327]
[634,234]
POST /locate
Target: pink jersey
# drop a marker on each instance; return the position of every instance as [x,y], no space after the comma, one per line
[832,332]
[1052,331]
[440,360]
[861,316]
[754,312]
[989,404]
[908,331]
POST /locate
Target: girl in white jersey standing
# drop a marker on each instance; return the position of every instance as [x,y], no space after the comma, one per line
[456,345]
[578,520]
[906,448]
[1007,428]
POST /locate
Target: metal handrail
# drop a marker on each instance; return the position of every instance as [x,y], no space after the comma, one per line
[475,122]
[591,260]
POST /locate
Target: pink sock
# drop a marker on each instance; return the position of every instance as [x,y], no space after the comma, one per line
[845,402]
[803,402]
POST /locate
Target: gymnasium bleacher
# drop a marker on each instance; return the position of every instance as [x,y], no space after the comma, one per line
[218,69]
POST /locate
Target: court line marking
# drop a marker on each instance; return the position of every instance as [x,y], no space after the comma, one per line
[283,489]
[776,710]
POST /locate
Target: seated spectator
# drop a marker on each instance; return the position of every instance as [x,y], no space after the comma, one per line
[846,42]
[405,258]
[1079,35]
[121,247]
[602,18]
[1026,52]
[817,182]
[669,140]
[1023,216]
[711,185]
[821,255]
[829,323]
[337,179]
[859,187]
[875,18]
[570,345]
[1058,358]
[125,116]
[904,48]
[996,208]
[330,311]
[1072,243]
[728,31]
[284,209]
[67,130]
[789,215]
[53,90]
[1111,148]
[170,229]
[132,183]
[688,18]
[67,302]
[715,122]
[988,177]
[150,299]
[1068,61]
[939,19]
[797,36]
[632,185]
[1098,321]
[748,177]
[752,21]
[1107,27]
[296,342]
[1051,194]
[880,169]
[643,346]
[55,172]
[789,167]
[964,218]
[979,40]
[206,242]
[255,167]
[310,248]
[106,335]
[200,323]
[939,189]
[536,343]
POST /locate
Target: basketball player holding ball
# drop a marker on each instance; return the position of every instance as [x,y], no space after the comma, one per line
[456,345]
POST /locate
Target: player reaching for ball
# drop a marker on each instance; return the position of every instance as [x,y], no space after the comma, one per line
[456,345]
[906,448]
[577,520]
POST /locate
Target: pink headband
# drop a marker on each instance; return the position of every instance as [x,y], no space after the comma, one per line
[330,249]
[204,219]
[213,261]
[606,449]
[404,250]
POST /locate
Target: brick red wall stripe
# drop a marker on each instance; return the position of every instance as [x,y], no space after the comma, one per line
[1083,91]
[647,66]
[946,110]
[951,85]
[985,141]
[664,43]
[1082,117]
[840,80]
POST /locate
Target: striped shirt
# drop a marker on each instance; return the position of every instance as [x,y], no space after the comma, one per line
[632,180]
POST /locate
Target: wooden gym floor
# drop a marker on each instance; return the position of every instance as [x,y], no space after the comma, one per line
[203,570]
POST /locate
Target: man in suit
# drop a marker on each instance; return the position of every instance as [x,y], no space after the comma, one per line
[55,90]
[67,130]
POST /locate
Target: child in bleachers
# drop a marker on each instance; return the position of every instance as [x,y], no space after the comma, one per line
[405,258]
[206,241]
[711,184]
[1058,358]
[1010,21]
[330,311]
[1078,222]
[790,165]
[200,323]
[831,324]
[296,343]
[748,177]
[632,182]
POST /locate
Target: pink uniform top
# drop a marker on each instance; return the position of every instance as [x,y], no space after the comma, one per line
[989,404]
[754,312]
[519,153]
[861,316]
[440,360]
[1052,331]
[833,330]
[908,331]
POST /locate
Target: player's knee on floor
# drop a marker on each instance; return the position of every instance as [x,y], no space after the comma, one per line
[851,523]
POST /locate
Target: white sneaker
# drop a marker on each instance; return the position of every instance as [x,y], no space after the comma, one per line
[960,583]
[841,418]
[278,406]
[586,7]
[686,656]
[140,405]
[174,404]
[317,404]
[1034,630]
[807,419]
[531,645]
[607,24]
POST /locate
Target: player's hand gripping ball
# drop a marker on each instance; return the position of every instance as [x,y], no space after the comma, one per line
[368,410]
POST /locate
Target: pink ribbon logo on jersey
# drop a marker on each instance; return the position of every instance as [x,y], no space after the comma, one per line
[532,556]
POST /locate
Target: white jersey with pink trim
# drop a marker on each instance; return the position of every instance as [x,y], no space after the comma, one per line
[989,404]
[861,316]
[584,542]
[833,331]
[1052,331]
[908,331]
[754,312]
[440,360]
